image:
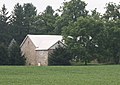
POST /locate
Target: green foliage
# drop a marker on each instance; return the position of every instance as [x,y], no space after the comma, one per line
[70,12]
[96,15]
[29,17]
[59,56]
[17,28]
[95,36]
[81,38]
[87,36]
[3,55]
[60,75]
[109,41]
[4,26]
[21,21]
[15,55]
[74,9]
[112,11]
[45,21]
[60,23]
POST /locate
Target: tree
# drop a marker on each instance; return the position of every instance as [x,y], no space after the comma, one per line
[81,38]
[18,30]
[96,15]
[112,11]
[3,55]
[15,55]
[45,21]
[75,9]
[70,12]
[108,41]
[22,21]
[60,23]
[4,26]
[59,56]
[30,13]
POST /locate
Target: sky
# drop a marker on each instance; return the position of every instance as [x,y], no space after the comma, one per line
[42,4]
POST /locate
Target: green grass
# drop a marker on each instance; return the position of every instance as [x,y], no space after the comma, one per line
[60,75]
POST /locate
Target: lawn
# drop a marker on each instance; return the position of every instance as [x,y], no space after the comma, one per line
[60,75]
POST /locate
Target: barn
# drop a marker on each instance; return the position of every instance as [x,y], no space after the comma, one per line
[36,48]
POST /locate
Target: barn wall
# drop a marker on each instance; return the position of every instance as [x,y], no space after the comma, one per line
[28,50]
[42,58]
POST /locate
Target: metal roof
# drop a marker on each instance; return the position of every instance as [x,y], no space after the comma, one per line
[44,42]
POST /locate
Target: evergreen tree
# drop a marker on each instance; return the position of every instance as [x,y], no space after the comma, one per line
[22,20]
[60,56]
[18,30]
[4,26]
[15,55]
[3,55]
[30,13]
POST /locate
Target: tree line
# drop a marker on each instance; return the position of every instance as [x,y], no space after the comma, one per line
[89,35]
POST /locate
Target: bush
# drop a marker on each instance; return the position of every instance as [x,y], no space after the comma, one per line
[59,56]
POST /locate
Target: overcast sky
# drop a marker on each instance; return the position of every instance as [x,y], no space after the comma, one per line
[41,4]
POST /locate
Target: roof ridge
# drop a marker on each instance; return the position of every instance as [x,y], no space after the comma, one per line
[44,41]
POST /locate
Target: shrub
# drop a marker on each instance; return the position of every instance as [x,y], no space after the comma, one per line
[59,56]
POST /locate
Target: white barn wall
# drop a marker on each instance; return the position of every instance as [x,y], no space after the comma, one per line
[28,50]
[42,57]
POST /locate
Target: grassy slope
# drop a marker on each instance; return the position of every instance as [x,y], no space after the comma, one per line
[69,75]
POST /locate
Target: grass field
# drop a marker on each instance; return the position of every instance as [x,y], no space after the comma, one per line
[60,75]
